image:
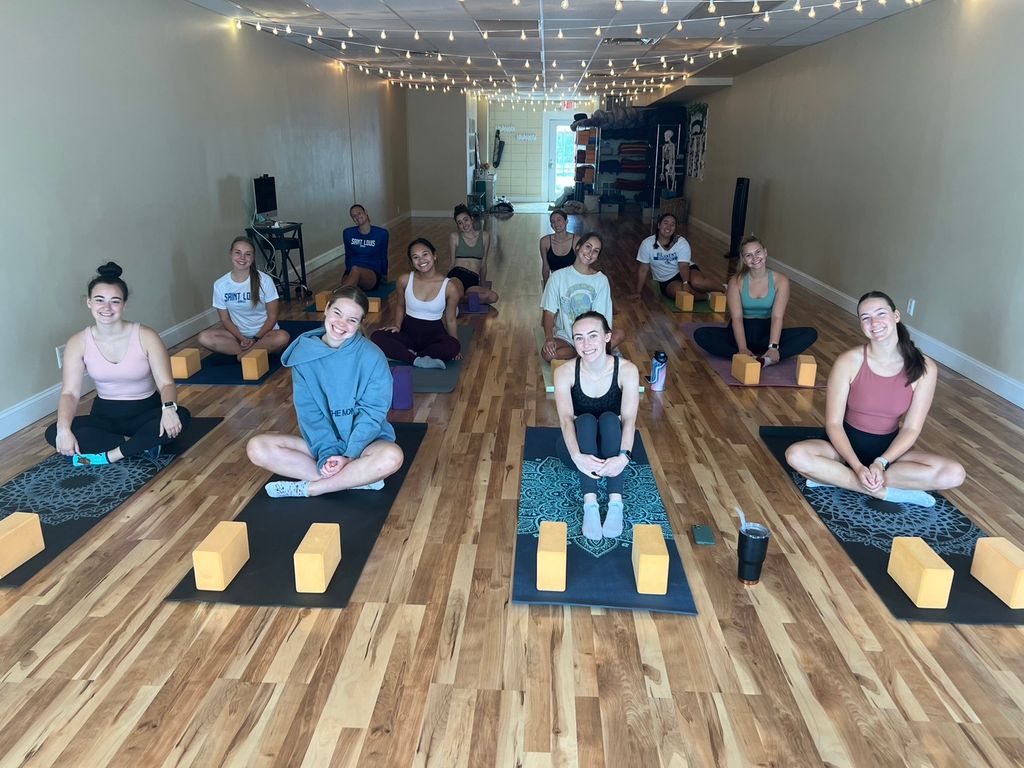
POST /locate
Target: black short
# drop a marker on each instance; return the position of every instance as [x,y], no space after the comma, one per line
[376,279]
[468,278]
[664,285]
[866,445]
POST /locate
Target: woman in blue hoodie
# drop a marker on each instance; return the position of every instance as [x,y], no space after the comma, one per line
[342,386]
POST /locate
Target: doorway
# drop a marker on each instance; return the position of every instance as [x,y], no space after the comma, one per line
[560,161]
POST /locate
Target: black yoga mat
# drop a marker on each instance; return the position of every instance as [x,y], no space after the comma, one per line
[442,379]
[598,573]
[221,369]
[70,500]
[276,527]
[866,526]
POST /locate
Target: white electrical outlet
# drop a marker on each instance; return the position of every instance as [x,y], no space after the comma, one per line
[911,305]
[60,355]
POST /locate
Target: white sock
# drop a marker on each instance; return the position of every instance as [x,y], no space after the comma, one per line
[428,362]
[903,496]
[816,484]
[613,520]
[374,486]
[592,521]
[280,489]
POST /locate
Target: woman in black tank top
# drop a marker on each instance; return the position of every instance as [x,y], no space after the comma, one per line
[597,399]
[549,260]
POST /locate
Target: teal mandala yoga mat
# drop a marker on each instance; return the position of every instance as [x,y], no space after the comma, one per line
[598,574]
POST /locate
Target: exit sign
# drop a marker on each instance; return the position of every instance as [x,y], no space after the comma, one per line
[568,105]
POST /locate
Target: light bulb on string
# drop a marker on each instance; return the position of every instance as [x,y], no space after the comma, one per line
[767,18]
[439,56]
[416,34]
[560,35]
[633,64]
[527,63]
[351,33]
[274,30]
[383,35]
[639,30]
[468,60]
[376,49]
[837,4]
[522,34]
[309,39]
[288,29]
[711,6]
[756,8]
[860,7]
[734,51]
[451,36]
[618,5]
[485,34]
[554,63]
[679,26]
[564,5]
[796,6]
[721,22]
[238,23]
[664,7]
[498,62]
[319,32]
[343,46]
[258,26]
[812,14]
[408,54]
[597,32]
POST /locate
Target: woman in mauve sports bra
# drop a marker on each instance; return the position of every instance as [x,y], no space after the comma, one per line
[561,240]
[878,398]
[469,249]
[597,397]
[135,411]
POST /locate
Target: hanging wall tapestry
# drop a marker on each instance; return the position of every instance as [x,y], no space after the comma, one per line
[697,139]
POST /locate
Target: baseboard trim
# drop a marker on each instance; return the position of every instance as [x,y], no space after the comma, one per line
[711,230]
[431,214]
[324,258]
[981,373]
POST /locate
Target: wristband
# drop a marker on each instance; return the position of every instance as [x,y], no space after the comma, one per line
[628,454]
[171,405]
[884,462]
[773,346]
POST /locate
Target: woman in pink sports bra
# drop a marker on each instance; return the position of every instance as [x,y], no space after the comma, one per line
[878,397]
[135,411]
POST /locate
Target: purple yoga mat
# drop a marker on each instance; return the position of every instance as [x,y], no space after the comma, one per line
[780,375]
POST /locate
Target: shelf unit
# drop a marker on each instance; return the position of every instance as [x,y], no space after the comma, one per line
[587,144]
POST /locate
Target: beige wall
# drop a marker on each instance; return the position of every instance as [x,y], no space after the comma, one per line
[437,150]
[132,133]
[520,175]
[890,158]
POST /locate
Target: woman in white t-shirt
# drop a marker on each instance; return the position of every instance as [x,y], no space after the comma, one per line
[247,302]
[667,256]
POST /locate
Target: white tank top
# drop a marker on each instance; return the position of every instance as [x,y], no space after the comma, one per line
[425,310]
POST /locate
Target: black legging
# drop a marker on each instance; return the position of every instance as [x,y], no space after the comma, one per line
[720,341]
[601,437]
[131,425]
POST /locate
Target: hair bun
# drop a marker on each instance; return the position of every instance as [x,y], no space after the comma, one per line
[110,271]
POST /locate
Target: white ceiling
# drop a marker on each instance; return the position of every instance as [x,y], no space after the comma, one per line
[578,64]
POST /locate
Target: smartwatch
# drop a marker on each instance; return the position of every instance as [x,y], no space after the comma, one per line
[170,404]
[884,462]
[773,346]
[627,454]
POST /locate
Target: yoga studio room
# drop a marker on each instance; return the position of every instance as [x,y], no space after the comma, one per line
[512,384]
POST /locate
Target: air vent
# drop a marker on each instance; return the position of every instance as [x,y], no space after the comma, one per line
[500,28]
[641,41]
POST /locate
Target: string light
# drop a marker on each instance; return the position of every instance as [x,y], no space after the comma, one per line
[560,35]
[343,46]
[664,7]
[288,29]
[274,30]
[639,30]
[498,61]
[522,35]
[416,34]
[721,22]
[351,33]
[451,36]
[468,60]
[618,5]
[309,40]
[679,26]
[756,8]
[767,18]
[319,32]
[837,4]
[711,6]
[564,5]
[527,63]
[860,7]
[597,32]
[812,14]
[408,54]
[376,49]
[238,23]
[485,34]
[383,35]
[554,64]
[439,56]
[258,26]
[796,6]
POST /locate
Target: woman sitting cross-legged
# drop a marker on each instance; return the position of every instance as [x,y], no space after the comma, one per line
[342,386]
[134,412]
[757,306]
[424,326]
[569,293]
[247,302]
[597,399]
[878,398]
[469,249]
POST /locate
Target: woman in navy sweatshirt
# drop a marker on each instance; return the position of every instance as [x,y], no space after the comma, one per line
[342,389]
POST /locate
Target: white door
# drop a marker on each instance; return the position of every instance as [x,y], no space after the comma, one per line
[560,162]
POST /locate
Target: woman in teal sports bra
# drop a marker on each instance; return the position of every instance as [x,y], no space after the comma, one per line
[469,250]
[757,299]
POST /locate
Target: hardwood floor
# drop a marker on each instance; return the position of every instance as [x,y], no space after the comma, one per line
[431,665]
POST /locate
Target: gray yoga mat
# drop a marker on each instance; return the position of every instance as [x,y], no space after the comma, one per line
[442,379]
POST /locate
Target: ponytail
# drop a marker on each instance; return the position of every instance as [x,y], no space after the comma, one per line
[913,358]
